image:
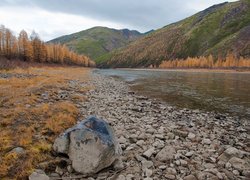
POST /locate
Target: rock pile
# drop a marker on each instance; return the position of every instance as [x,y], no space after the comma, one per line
[162,142]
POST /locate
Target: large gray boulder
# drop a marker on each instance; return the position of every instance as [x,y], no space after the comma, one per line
[90,145]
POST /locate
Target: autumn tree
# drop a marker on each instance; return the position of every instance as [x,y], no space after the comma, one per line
[24,47]
[2,39]
[38,47]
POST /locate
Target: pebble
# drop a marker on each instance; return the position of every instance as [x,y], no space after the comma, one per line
[162,167]
[149,152]
[190,177]
[147,172]
[183,162]
[191,136]
[189,154]
[38,175]
[206,141]
[236,172]
[140,143]
[170,176]
[147,164]
[121,177]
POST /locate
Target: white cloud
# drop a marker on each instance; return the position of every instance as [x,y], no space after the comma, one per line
[53,18]
[47,24]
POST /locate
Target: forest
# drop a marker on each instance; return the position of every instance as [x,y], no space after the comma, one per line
[33,49]
[230,61]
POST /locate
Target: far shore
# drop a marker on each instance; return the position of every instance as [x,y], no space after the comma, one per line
[247,71]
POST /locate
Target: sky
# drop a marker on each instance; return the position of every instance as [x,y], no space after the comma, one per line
[54,18]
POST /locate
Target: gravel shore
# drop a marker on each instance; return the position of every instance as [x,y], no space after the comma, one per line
[163,142]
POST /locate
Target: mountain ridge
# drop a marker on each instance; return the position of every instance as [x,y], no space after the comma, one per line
[98,40]
[216,30]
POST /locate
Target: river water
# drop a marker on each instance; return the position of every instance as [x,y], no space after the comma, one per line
[223,92]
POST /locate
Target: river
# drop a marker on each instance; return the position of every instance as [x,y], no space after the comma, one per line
[223,92]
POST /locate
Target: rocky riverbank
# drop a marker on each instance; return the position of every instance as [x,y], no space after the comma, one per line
[162,142]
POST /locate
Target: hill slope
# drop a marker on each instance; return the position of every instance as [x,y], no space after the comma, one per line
[216,30]
[98,41]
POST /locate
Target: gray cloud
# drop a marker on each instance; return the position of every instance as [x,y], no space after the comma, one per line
[140,14]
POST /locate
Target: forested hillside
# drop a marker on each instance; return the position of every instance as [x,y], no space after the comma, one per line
[98,41]
[218,30]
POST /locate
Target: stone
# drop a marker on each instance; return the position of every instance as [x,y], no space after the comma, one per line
[190,177]
[209,165]
[206,141]
[45,96]
[147,164]
[54,175]
[147,178]
[130,177]
[170,135]
[90,145]
[246,173]
[159,144]
[232,151]
[206,175]
[118,164]
[61,144]
[229,153]
[189,154]
[162,167]
[62,94]
[121,177]
[139,158]
[38,175]
[69,168]
[17,150]
[161,130]
[236,172]
[149,152]
[215,172]
[147,172]
[238,163]
[172,171]
[160,136]
[166,154]
[191,136]
[183,162]
[170,176]
[59,170]
[122,140]
[178,162]
[228,165]
[150,130]
[180,133]
[130,147]
[140,143]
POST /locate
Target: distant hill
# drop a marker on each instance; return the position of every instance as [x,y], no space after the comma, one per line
[216,30]
[98,41]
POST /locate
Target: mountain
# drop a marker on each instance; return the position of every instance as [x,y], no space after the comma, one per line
[98,41]
[217,30]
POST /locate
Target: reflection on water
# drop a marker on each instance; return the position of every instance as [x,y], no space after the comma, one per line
[211,91]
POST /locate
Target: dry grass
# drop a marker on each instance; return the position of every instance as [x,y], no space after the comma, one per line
[29,120]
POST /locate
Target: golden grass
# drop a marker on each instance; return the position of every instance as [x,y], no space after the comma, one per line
[29,121]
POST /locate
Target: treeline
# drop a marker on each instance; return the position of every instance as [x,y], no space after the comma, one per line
[230,61]
[33,49]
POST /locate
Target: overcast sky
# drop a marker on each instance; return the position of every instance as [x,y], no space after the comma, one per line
[53,18]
